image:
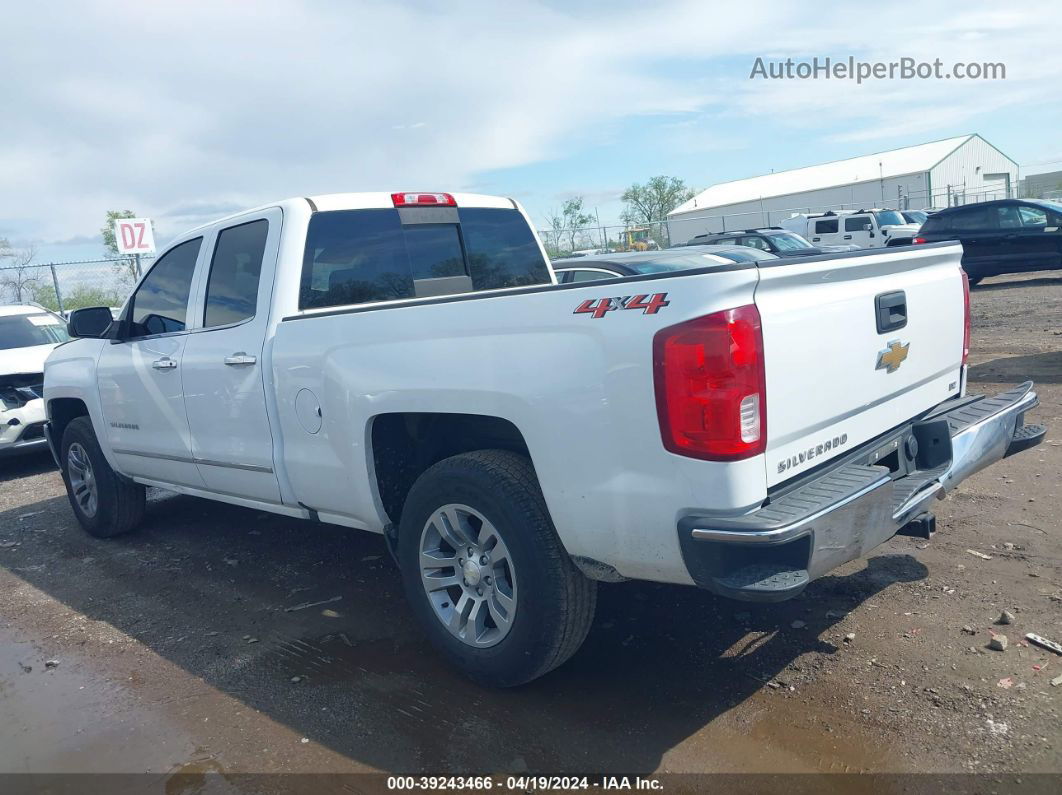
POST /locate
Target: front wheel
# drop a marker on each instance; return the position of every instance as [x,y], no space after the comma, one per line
[485,572]
[105,504]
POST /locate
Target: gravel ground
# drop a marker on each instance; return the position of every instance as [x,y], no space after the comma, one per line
[220,639]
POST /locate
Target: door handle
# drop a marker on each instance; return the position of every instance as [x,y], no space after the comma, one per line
[849,237]
[165,363]
[240,358]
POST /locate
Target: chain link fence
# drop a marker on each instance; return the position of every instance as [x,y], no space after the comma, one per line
[657,234]
[64,286]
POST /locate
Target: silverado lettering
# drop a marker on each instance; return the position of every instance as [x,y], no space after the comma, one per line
[812,452]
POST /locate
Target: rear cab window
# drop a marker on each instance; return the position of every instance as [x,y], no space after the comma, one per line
[371,255]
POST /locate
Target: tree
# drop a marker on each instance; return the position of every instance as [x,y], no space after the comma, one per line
[18,275]
[554,234]
[650,203]
[568,224]
[79,297]
[574,218]
[109,241]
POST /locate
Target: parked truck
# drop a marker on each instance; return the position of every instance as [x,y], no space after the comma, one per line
[406,364]
[863,228]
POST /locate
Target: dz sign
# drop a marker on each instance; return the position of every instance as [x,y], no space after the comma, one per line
[134,236]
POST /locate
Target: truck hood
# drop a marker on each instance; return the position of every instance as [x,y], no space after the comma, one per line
[24,360]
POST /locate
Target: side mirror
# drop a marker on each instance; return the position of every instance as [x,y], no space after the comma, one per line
[93,322]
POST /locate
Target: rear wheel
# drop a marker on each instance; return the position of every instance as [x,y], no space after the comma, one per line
[485,572]
[105,504]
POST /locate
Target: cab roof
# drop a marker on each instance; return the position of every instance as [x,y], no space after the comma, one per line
[368,200]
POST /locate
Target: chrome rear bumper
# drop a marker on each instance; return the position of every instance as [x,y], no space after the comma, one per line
[848,510]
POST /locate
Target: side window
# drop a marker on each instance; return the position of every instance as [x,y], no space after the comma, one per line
[1007,217]
[725,241]
[502,252]
[827,227]
[591,276]
[972,220]
[160,304]
[933,225]
[1032,216]
[856,224]
[755,241]
[232,288]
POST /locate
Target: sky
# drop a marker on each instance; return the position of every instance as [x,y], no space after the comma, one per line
[187,111]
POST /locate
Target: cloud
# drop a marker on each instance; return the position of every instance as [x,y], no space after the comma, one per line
[188,110]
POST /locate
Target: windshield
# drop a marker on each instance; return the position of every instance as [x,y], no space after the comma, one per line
[787,241]
[889,218]
[25,331]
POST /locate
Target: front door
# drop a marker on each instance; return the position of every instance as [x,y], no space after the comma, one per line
[224,373]
[140,378]
[1039,241]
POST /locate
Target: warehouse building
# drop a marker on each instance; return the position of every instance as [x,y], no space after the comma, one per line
[937,174]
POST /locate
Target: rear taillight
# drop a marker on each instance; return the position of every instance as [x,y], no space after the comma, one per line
[918,240]
[710,391]
[966,317]
[422,199]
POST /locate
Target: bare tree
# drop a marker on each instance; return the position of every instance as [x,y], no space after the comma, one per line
[18,275]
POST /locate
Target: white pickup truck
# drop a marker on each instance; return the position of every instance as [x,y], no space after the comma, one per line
[406,364]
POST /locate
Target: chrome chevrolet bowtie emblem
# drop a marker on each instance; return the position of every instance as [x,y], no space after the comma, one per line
[892,357]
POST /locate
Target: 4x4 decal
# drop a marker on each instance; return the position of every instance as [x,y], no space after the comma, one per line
[597,307]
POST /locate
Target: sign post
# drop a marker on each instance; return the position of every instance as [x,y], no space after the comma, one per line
[134,236]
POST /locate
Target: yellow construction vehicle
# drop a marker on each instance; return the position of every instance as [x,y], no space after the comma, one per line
[637,239]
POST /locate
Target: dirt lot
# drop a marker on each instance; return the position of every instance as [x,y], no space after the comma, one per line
[178,648]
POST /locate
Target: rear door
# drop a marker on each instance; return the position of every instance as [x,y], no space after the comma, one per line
[223,370]
[836,377]
[983,245]
[825,231]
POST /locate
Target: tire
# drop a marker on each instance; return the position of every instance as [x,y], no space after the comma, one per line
[493,493]
[118,506]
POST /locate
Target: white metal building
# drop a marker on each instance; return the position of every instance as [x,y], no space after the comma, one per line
[937,174]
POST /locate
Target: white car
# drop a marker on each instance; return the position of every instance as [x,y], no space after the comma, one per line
[28,333]
[407,364]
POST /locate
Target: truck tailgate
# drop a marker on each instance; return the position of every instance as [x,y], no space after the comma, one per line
[833,379]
